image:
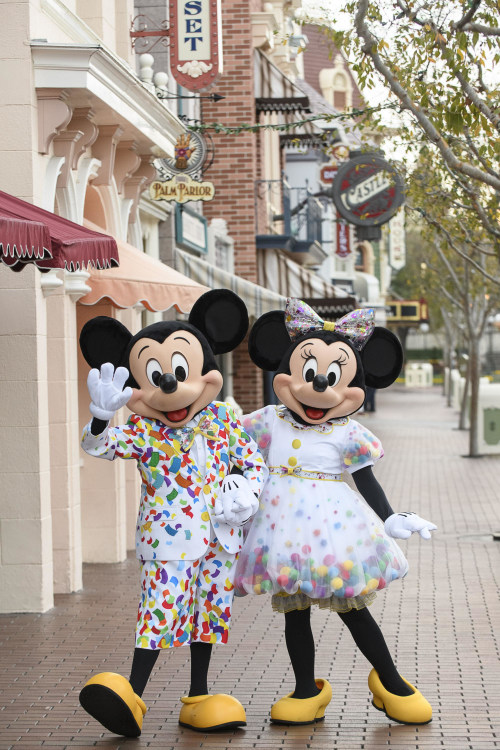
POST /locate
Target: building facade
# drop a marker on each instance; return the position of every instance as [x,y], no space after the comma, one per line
[80,132]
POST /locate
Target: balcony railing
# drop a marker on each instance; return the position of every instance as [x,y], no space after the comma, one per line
[289,218]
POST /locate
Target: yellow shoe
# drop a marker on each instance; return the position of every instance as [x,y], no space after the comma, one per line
[407,709]
[205,713]
[109,698]
[290,710]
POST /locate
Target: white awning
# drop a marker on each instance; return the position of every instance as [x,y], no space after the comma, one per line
[257,299]
[281,275]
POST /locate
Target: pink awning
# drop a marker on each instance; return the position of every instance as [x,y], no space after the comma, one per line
[29,234]
[141,278]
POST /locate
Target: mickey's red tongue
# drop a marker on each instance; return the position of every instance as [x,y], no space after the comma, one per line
[177,416]
[313,413]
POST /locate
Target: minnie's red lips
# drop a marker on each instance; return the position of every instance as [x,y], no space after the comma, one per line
[313,413]
[177,416]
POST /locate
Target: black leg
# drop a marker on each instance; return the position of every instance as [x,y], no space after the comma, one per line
[300,645]
[370,641]
[142,666]
[200,661]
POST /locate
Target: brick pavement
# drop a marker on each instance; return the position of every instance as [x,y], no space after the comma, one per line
[440,623]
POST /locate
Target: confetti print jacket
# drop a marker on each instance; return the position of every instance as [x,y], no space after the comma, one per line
[181,471]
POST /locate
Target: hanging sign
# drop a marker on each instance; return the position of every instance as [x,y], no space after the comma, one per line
[367,190]
[178,174]
[189,154]
[397,241]
[343,238]
[195,42]
[180,189]
[327,173]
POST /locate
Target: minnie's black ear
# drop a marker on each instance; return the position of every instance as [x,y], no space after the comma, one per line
[103,340]
[269,340]
[222,317]
[382,358]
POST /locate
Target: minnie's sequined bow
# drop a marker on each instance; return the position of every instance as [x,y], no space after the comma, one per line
[301,319]
[185,436]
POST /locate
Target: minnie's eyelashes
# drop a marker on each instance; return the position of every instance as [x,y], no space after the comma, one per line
[341,361]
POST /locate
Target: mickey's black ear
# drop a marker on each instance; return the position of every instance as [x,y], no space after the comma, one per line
[269,340]
[222,317]
[103,340]
[382,358]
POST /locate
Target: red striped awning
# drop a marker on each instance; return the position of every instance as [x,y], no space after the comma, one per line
[29,234]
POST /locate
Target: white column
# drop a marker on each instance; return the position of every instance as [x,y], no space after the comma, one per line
[25,512]
[62,346]
[102,483]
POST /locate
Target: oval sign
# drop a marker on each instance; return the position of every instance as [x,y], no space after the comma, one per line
[367,190]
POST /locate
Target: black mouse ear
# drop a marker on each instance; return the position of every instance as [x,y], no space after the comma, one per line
[382,358]
[269,340]
[103,340]
[222,317]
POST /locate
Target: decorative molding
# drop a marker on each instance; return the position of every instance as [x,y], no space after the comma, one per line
[135,185]
[74,284]
[50,282]
[54,114]
[263,27]
[104,149]
[127,162]
[194,68]
[66,199]
[82,120]
[52,172]
[112,207]
[110,87]
[88,168]
[125,209]
[64,145]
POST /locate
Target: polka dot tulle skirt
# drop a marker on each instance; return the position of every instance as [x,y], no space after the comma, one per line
[316,539]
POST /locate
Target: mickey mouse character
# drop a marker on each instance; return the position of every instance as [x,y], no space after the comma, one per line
[313,539]
[189,527]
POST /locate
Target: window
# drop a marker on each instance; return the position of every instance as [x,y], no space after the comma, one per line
[336,85]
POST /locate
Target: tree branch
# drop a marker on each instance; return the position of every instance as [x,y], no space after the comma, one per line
[470,91]
[480,29]
[452,244]
[468,16]
[477,154]
[370,49]
[491,228]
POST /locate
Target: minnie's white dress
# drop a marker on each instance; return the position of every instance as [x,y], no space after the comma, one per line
[313,539]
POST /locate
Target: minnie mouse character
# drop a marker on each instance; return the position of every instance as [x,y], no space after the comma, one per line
[313,539]
[191,512]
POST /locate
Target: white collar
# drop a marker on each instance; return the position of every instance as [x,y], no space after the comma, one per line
[325,427]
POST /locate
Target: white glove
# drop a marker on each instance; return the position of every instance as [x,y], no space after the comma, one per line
[236,502]
[402,526]
[106,390]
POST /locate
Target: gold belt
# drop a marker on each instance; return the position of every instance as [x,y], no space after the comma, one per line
[298,471]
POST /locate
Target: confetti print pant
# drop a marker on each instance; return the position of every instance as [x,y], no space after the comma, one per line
[186,601]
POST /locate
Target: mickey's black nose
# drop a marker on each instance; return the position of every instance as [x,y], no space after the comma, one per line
[320,383]
[168,382]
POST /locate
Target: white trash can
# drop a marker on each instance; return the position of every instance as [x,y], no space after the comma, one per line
[489,418]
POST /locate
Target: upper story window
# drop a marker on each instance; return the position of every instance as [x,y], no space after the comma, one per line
[336,85]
